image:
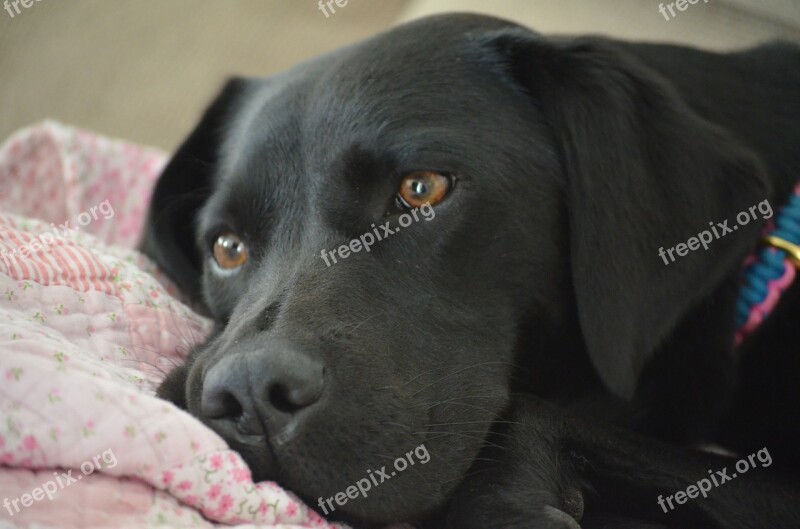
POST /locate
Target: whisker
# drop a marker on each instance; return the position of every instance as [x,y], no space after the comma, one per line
[489,422]
[482,364]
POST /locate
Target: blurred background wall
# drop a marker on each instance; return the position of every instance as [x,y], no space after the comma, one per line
[144,69]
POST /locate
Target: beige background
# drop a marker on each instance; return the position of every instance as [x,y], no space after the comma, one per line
[144,69]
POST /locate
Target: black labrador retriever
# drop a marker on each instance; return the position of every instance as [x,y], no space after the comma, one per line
[461,239]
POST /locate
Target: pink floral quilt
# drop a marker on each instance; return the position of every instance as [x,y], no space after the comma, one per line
[87,330]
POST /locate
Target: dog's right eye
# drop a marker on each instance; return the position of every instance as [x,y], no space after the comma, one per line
[230,251]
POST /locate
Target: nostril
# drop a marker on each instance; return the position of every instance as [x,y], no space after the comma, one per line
[292,400]
[221,404]
[279,398]
[231,407]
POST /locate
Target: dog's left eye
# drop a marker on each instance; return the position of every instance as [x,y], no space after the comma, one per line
[421,187]
[229,251]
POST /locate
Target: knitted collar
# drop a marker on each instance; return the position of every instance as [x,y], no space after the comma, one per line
[770,271]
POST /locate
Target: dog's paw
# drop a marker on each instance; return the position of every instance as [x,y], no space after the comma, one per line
[516,508]
[547,517]
[556,519]
[526,479]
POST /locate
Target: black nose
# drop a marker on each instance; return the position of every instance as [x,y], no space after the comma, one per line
[262,388]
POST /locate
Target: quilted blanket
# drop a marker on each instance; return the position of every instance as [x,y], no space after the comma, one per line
[88,328]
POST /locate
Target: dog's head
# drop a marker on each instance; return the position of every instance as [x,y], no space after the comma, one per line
[525,183]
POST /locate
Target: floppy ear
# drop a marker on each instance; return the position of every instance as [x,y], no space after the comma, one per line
[643,171]
[183,187]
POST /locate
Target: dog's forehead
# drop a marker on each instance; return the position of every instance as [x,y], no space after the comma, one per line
[411,73]
[436,65]
[426,82]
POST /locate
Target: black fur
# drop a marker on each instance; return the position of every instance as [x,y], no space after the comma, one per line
[529,335]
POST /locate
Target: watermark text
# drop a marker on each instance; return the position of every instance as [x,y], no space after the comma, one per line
[62,480]
[720,230]
[364,485]
[718,477]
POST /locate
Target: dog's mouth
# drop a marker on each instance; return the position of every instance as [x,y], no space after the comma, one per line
[255,448]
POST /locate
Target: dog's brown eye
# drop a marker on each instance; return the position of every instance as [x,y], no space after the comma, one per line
[229,251]
[422,187]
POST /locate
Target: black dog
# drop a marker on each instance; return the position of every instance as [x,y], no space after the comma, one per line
[526,331]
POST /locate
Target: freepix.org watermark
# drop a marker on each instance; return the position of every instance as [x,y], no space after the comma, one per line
[366,240]
[8,4]
[364,485]
[329,4]
[43,241]
[62,480]
[718,477]
[682,5]
[720,230]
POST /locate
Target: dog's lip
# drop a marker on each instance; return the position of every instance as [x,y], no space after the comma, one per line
[262,440]
[230,430]
[255,449]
